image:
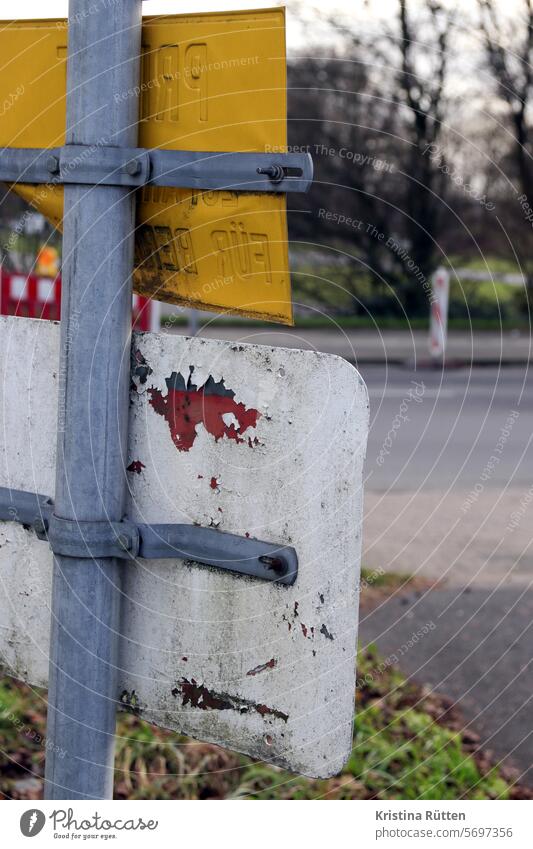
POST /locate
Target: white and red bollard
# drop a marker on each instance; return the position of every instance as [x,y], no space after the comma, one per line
[438,328]
[33,296]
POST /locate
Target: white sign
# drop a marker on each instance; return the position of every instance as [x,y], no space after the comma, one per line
[270,444]
[439,313]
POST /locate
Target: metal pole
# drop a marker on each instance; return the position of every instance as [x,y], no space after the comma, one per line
[102,109]
[193,323]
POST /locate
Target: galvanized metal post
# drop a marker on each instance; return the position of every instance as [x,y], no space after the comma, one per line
[102,109]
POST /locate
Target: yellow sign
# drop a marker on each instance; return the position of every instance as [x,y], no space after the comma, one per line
[208,82]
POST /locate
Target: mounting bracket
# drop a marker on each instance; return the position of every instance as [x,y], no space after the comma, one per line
[136,167]
[127,540]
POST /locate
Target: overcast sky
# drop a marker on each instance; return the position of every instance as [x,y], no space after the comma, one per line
[58,9]
[366,10]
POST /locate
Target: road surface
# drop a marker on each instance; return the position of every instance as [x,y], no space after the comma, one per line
[376,346]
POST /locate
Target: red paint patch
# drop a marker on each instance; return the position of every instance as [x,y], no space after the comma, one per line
[214,483]
[304,629]
[136,466]
[199,696]
[185,407]
[270,664]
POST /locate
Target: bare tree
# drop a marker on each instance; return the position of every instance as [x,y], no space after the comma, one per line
[509,58]
[384,96]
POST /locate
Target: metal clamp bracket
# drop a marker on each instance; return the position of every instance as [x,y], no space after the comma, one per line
[127,540]
[90,539]
[136,167]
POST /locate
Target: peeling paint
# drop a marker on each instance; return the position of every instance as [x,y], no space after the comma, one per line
[136,466]
[270,664]
[199,696]
[304,629]
[328,635]
[140,370]
[186,406]
[213,483]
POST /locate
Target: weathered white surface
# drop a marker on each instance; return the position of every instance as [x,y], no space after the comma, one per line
[262,669]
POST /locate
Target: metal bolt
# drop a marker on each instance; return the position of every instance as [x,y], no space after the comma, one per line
[275,172]
[132,167]
[52,164]
[124,542]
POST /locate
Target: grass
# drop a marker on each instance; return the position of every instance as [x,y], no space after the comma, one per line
[408,744]
[359,322]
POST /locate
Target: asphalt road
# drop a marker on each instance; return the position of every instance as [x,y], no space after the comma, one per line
[449,474]
[444,426]
[375,345]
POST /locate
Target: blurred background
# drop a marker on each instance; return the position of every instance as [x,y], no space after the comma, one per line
[419,118]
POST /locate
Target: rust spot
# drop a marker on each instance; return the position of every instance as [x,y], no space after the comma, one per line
[200,477]
[270,664]
[185,658]
[247,535]
[136,466]
[264,710]
[199,696]
[185,406]
[328,635]
[214,483]
[321,597]
[304,629]
[296,608]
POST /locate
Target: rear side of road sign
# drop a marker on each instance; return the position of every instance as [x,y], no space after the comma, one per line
[258,441]
[209,82]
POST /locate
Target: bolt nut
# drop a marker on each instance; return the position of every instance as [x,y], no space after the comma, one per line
[124,542]
[132,167]
[52,164]
[274,172]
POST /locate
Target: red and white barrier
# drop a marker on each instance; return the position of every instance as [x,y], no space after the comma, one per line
[32,296]
[439,313]
[146,314]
